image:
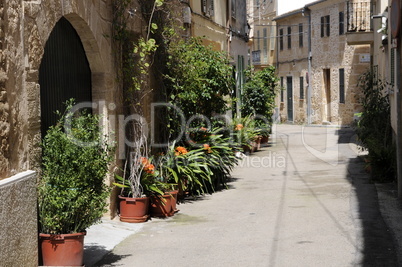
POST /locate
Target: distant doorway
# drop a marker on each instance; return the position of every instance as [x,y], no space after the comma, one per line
[64,73]
[327,95]
[289,90]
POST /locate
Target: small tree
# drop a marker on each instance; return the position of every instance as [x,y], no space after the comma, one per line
[258,97]
[198,78]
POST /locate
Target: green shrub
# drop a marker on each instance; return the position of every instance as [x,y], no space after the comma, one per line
[374,129]
[72,192]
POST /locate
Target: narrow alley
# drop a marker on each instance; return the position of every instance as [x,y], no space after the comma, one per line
[303,201]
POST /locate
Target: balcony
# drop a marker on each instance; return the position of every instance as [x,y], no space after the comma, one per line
[359,26]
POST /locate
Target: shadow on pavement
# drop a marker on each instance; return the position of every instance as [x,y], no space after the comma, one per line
[376,245]
[94,255]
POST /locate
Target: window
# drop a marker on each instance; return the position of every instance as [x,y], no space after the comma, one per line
[392,65]
[234,9]
[300,35]
[282,97]
[289,37]
[341,23]
[301,87]
[207,7]
[265,43]
[325,27]
[341,85]
[281,39]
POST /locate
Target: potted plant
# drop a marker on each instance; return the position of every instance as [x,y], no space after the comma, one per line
[141,183]
[71,192]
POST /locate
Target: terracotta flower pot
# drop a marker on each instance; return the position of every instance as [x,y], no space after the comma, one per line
[62,250]
[134,210]
[161,206]
[264,140]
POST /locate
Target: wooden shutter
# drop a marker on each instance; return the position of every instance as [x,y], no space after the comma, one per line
[322,26]
[341,85]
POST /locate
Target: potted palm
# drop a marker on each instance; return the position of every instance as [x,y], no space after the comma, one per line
[71,192]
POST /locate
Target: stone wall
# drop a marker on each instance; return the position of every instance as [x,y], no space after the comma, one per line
[24,30]
[18,221]
[4,108]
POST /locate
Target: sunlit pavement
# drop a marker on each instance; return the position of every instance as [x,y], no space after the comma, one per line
[303,201]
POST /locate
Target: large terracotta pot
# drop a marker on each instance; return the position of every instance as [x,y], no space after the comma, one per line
[134,210]
[161,206]
[264,140]
[62,250]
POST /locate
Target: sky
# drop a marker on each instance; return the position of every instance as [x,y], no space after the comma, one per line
[289,5]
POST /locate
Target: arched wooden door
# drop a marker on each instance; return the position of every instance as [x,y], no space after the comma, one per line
[64,73]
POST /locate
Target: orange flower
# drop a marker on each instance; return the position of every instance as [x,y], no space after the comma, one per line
[239,127]
[203,129]
[208,148]
[180,151]
[144,161]
[149,168]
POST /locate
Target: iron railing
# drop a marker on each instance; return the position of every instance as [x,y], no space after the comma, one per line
[359,16]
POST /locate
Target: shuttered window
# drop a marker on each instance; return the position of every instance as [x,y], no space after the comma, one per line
[341,85]
[300,35]
[392,65]
[325,26]
[301,87]
[281,39]
[341,23]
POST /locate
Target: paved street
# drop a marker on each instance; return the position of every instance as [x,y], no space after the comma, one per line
[304,201]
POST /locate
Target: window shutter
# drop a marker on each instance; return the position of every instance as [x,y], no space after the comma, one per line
[302,87]
[392,66]
[322,26]
[341,23]
[327,25]
[341,85]
[211,8]
[300,35]
[204,6]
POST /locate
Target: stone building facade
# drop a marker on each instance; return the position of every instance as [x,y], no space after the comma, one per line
[316,64]
[262,44]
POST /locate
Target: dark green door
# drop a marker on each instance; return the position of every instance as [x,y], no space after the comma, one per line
[64,72]
[289,86]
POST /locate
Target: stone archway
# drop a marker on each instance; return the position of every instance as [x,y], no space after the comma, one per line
[64,73]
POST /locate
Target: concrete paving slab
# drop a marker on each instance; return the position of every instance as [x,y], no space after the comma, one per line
[102,238]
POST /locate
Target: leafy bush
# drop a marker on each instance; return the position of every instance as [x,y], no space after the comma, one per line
[198,79]
[374,129]
[72,192]
[258,97]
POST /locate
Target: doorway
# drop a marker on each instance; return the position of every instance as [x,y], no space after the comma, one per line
[64,73]
[327,95]
[289,90]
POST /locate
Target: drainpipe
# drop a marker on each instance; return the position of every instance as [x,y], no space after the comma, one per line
[307,11]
